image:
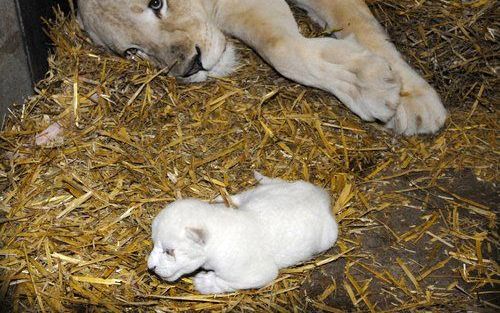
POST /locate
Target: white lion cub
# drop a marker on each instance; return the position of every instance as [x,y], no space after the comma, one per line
[277,224]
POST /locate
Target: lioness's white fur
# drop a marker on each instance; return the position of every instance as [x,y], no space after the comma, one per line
[362,67]
[277,224]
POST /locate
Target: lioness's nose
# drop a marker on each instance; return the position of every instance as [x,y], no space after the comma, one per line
[195,65]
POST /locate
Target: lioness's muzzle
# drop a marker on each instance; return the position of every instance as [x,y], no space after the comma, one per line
[195,65]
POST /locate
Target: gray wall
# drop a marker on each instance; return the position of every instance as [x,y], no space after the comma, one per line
[15,80]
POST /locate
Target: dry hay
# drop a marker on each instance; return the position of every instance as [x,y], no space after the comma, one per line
[76,213]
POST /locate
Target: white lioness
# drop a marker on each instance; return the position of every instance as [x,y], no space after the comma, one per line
[362,67]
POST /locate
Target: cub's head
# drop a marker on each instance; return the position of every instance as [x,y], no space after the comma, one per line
[174,33]
[179,242]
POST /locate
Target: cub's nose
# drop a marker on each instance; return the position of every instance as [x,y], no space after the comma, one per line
[152,261]
[195,65]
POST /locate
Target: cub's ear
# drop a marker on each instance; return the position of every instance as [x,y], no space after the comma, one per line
[197,235]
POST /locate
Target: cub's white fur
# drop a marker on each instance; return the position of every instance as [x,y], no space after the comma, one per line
[277,224]
[360,66]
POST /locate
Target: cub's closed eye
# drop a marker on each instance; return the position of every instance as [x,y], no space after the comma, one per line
[130,52]
[170,252]
[155,5]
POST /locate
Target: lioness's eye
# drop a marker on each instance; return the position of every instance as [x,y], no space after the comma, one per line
[155,5]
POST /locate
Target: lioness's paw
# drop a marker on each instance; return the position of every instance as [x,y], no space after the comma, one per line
[209,283]
[378,85]
[420,112]
[363,81]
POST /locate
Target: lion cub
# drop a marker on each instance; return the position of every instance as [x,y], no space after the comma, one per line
[277,224]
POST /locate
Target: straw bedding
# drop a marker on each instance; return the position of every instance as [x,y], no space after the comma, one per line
[417,215]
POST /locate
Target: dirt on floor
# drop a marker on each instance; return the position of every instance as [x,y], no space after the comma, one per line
[380,242]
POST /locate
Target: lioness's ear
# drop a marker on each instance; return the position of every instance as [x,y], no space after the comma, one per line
[197,235]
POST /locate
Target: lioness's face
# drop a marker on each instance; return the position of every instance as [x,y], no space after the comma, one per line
[173,33]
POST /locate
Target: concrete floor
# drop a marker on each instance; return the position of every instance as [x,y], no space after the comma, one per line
[15,81]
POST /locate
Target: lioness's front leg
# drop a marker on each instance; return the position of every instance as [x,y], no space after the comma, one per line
[359,78]
[420,110]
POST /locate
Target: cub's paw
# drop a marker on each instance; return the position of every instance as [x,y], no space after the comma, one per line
[209,283]
[420,112]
